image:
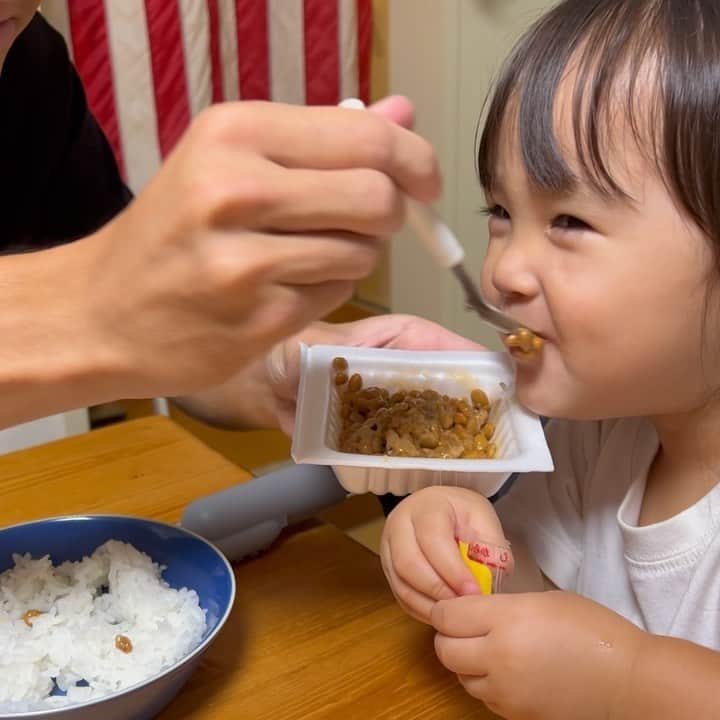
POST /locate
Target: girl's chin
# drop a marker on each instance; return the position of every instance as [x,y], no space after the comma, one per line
[547,387]
[549,400]
[536,404]
[530,393]
[540,386]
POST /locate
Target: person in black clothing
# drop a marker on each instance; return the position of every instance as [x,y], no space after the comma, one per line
[59,178]
[259,222]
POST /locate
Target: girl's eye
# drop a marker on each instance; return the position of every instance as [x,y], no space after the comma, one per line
[569,222]
[497,212]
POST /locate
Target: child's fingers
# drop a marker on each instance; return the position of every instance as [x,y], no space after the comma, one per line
[413,602]
[478,687]
[412,566]
[463,656]
[465,617]
[435,533]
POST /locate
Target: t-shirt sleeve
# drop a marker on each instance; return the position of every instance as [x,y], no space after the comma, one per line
[86,189]
[60,180]
[545,510]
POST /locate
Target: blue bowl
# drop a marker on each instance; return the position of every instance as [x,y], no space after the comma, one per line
[191,562]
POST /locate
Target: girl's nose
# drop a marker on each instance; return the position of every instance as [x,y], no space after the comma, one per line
[512,271]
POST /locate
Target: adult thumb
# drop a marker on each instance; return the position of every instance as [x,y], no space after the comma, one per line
[396,108]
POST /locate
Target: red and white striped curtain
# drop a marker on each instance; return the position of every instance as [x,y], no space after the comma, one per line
[148,66]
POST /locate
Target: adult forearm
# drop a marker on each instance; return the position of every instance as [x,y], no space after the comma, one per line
[51,357]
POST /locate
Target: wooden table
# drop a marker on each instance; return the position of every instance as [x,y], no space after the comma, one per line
[314,634]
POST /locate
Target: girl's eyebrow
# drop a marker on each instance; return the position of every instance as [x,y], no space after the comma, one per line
[581,189]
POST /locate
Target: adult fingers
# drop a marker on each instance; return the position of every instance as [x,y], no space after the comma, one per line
[247,261]
[395,108]
[361,201]
[325,138]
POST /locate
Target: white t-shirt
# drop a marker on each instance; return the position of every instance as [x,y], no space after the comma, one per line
[580,524]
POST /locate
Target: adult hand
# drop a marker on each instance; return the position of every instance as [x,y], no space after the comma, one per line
[260,221]
[264,394]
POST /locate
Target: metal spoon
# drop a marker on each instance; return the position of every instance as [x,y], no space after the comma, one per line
[447,252]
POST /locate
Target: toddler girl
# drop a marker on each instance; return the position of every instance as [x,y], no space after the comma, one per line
[600,163]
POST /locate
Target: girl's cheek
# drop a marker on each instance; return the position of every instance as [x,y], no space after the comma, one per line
[486,272]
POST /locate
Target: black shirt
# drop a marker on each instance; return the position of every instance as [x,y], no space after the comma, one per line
[58,177]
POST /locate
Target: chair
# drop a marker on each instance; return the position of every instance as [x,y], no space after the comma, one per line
[44,430]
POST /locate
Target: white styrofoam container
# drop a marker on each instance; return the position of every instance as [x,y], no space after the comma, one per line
[519,435]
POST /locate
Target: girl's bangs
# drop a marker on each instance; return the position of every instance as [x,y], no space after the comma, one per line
[598,53]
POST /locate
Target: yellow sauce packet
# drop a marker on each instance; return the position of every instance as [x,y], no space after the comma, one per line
[481,572]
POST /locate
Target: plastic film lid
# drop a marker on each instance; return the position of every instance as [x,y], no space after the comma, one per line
[489,563]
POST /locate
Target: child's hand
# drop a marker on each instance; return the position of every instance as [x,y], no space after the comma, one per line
[545,656]
[419,550]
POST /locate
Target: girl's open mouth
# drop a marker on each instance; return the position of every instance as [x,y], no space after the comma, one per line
[524,344]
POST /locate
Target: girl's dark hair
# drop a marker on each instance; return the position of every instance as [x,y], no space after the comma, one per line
[668,50]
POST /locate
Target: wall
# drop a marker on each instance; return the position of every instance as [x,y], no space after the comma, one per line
[444,56]
[375,290]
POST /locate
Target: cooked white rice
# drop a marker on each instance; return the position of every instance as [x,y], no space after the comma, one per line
[85,605]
